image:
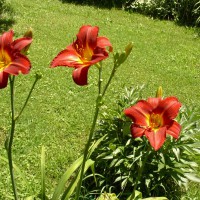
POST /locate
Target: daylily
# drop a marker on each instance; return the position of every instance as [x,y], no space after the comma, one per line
[154,118]
[87,50]
[12,61]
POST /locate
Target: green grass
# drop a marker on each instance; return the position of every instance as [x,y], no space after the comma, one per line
[59,113]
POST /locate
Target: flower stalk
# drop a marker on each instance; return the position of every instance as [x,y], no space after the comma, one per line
[97,108]
[10,139]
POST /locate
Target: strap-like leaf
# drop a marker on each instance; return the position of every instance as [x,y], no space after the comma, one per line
[70,189]
[61,185]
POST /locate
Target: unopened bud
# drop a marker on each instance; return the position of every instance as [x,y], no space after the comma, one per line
[159,92]
[129,48]
[38,75]
[28,34]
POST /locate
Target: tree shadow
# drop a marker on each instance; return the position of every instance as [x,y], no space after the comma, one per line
[98,4]
[6,16]
[6,24]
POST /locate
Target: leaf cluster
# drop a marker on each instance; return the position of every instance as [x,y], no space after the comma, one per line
[119,157]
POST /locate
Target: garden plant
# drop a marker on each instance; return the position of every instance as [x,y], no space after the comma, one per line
[144,148]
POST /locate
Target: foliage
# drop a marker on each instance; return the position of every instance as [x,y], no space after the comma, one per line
[6,15]
[108,196]
[119,157]
[196,12]
[182,11]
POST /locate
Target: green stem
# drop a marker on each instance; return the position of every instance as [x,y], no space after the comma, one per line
[11,136]
[12,130]
[109,80]
[100,78]
[140,172]
[28,97]
[98,105]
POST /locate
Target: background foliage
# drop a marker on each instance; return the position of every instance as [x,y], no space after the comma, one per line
[185,12]
[119,157]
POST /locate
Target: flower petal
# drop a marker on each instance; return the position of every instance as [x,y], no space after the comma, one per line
[104,42]
[3,79]
[139,113]
[88,36]
[20,64]
[6,39]
[137,131]
[174,130]
[80,75]
[67,57]
[154,102]
[170,107]
[156,138]
[21,43]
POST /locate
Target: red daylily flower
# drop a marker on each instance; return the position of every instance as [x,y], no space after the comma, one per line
[87,50]
[154,118]
[12,61]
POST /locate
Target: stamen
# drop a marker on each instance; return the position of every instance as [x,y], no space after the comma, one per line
[155,121]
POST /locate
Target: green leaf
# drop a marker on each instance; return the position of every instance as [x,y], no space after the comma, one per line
[137,196]
[155,198]
[94,174]
[65,177]
[192,177]
[70,189]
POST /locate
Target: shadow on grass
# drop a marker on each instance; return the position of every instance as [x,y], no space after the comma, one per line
[99,4]
[6,16]
[6,24]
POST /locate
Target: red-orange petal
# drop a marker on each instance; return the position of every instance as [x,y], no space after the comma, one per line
[156,138]
[67,57]
[139,113]
[174,130]
[170,108]
[3,79]
[88,36]
[80,75]
[137,131]
[104,42]
[154,102]
[21,43]
[6,39]
[20,64]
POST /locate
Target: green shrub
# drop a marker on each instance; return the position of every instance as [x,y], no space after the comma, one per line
[119,156]
[184,12]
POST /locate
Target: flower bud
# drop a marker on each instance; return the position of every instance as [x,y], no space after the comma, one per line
[128,49]
[28,34]
[159,92]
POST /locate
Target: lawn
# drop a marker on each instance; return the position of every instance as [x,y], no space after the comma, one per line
[59,113]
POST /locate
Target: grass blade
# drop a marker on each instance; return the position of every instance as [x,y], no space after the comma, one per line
[43,173]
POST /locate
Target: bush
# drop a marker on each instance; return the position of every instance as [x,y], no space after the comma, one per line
[103,3]
[119,156]
[184,12]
